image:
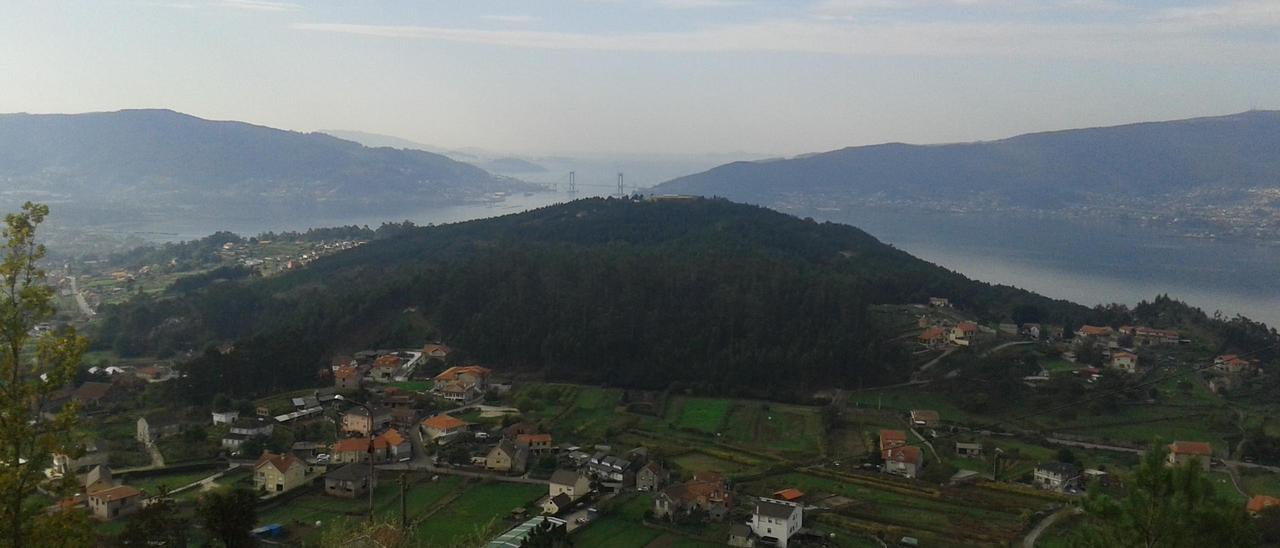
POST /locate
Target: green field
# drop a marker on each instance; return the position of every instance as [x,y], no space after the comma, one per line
[622,527]
[413,386]
[969,514]
[151,484]
[299,515]
[697,461]
[702,414]
[477,514]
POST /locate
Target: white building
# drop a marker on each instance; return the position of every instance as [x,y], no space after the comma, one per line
[776,521]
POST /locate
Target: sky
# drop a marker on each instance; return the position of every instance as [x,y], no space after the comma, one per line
[648,76]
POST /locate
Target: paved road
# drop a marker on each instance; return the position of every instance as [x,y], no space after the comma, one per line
[426,467]
[1006,345]
[1105,447]
[83,304]
[572,518]
[1045,524]
[915,377]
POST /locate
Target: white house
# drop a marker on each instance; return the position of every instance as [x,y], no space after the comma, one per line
[225,417]
[776,521]
[1057,476]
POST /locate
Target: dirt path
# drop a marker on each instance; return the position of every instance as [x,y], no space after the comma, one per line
[915,377]
[1045,524]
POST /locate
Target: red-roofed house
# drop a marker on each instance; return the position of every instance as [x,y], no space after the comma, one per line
[904,461]
[537,443]
[443,425]
[346,377]
[789,494]
[1183,452]
[350,450]
[933,337]
[1095,331]
[462,383]
[892,438]
[1124,361]
[278,473]
[385,367]
[963,333]
[391,446]
[113,502]
[1231,363]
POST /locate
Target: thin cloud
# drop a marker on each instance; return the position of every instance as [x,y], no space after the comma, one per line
[512,19]
[700,4]
[1147,39]
[258,5]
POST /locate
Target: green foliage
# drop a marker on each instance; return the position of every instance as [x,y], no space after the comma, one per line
[158,524]
[27,381]
[228,515]
[1165,506]
[715,295]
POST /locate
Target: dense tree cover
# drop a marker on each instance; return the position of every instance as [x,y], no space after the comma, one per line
[1166,507]
[229,515]
[628,292]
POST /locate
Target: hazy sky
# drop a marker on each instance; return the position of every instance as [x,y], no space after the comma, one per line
[648,75]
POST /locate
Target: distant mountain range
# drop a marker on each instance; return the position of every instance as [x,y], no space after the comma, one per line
[1172,167]
[490,161]
[160,163]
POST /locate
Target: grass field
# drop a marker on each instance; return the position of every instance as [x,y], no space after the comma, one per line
[151,484]
[478,512]
[299,515]
[697,461]
[413,386]
[970,514]
[753,424]
[702,414]
[1259,482]
[622,527]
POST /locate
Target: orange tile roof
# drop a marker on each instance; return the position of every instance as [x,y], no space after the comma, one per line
[391,437]
[116,493]
[531,439]
[892,435]
[1095,331]
[453,372]
[281,462]
[351,445]
[443,422]
[967,326]
[789,494]
[932,333]
[389,360]
[345,372]
[1262,502]
[1194,448]
[906,453]
[433,348]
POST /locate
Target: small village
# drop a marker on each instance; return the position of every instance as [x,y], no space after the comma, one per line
[468,456]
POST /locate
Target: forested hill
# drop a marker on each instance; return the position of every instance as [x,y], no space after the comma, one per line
[1203,160]
[628,292]
[163,164]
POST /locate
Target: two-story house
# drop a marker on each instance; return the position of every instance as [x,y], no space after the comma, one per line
[776,521]
[275,473]
[1057,476]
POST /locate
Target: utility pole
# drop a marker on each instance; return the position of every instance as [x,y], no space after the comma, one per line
[404,513]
